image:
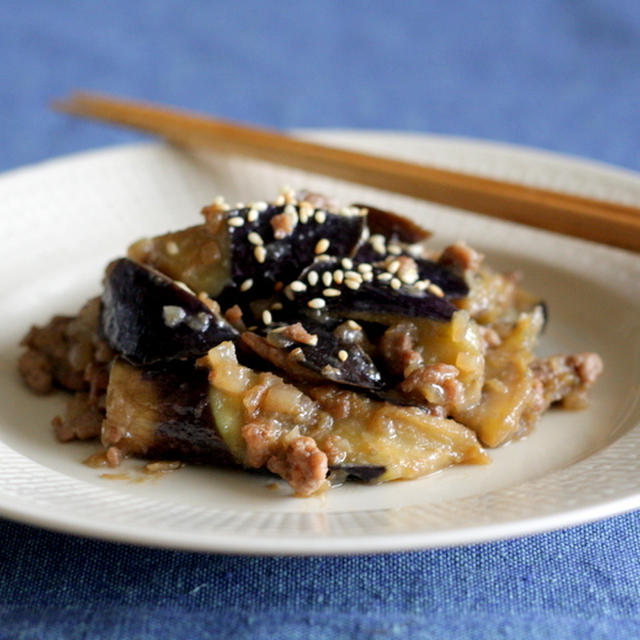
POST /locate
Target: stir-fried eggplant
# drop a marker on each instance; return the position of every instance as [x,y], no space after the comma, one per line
[147,317]
[307,340]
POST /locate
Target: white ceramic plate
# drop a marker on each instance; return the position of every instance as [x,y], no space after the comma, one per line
[63,220]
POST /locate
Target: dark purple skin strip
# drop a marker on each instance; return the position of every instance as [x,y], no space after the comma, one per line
[133,321]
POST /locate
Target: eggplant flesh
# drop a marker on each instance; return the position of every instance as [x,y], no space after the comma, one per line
[147,317]
[162,413]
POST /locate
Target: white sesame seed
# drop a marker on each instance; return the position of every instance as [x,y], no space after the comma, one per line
[352,324]
[254,238]
[384,277]
[260,254]
[172,248]
[394,249]
[246,285]
[408,277]
[312,340]
[279,201]
[367,276]
[316,303]
[395,283]
[338,276]
[259,206]
[327,278]
[364,267]
[253,215]
[353,275]
[422,285]
[320,217]
[312,278]
[290,210]
[342,355]
[323,257]
[346,263]
[239,205]
[393,266]
[298,286]
[352,284]
[276,306]
[322,245]
[235,221]
[267,318]
[436,290]
[330,292]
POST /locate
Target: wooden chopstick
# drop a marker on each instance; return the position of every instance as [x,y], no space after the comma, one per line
[605,222]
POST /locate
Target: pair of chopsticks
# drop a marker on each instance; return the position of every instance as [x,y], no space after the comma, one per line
[600,221]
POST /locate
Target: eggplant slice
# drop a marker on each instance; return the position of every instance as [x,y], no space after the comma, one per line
[147,317]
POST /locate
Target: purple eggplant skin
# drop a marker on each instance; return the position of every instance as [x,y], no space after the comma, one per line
[364,472]
[318,362]
[164,413]
[147,317]
[453,285]
[284,257]
[392,226]
[374,300]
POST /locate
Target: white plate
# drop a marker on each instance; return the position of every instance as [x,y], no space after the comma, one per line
[63,220]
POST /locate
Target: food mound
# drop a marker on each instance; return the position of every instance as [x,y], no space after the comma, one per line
[316,342]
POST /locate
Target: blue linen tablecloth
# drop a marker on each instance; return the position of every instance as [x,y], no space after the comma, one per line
[559,75]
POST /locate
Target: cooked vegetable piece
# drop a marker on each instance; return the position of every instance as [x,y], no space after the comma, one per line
[271,243]
[392,226]
[317,356]
[162,414]
[198,256]
[147,317]
[379,296]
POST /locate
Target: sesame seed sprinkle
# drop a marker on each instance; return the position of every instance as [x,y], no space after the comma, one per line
[235,221]
[352,324]
[385,276]
[395,283]
[436,290]
[353,275]
[172,248]
[394,249]
[393,266]
[267,318]
[253,214]
[367,276]
[322,246]
[246,285]
[255,238]
[316,303]
[342,355]
[320,217]
[259,206]
[312,278]
[346,263]
[364,267]
[338,276]
[312,340]
[327,278]
[260,254]
[330,292]
[298,286]
[352,284]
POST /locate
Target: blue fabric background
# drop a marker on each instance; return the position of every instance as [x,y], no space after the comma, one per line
[558,75]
